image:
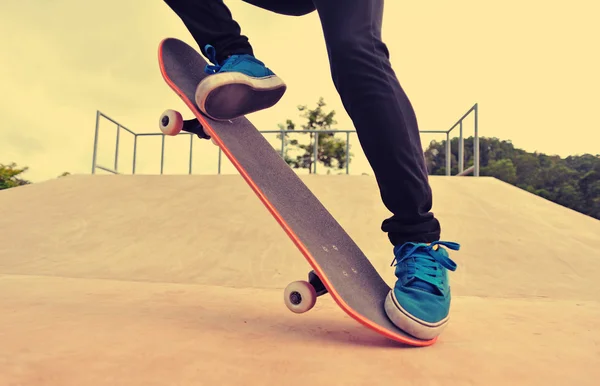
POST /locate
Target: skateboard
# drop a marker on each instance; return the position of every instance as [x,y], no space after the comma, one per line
[339,267]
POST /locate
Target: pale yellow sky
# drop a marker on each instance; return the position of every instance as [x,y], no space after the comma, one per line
[532,67]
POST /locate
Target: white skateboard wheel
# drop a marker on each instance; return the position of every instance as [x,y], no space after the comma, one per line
[171,122]
[300,296]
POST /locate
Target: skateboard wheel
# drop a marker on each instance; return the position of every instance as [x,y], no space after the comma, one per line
[300,296]
[171,122]
[213,142]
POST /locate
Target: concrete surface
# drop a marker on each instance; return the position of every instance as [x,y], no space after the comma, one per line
[178,280]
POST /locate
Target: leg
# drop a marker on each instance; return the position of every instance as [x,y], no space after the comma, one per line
[388,132]
[210,22]
[240,84]
[382,114]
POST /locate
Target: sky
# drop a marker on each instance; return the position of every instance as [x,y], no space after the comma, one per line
[532,67]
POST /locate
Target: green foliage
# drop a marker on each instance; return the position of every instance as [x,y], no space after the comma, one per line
[573,182]
[9,176]
[331,150]
[503,169]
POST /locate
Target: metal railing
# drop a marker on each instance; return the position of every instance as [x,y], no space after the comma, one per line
[461,144]
[461,170]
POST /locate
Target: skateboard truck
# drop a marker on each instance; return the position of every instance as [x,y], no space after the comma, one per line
[300,296]
[171,123]
[317,283]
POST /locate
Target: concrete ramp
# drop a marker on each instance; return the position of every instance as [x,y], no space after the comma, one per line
[177,280]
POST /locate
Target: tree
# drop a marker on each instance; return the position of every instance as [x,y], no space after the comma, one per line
[573,182]
[503,170]
[9,176]
[331,151]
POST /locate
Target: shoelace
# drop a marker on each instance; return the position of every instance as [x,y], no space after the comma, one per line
[211,53]
[425,259]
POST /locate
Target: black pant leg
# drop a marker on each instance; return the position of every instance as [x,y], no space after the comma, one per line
[211,22]
[382,114]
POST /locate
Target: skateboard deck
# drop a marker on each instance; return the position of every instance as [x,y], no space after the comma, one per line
[344,270]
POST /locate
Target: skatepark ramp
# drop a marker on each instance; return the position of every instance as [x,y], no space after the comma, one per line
[178,280]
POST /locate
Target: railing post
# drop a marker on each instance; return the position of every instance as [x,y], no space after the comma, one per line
[162,155]
[448,154]
[219,164]
[134,153]
[461,149]
[476,142]
[95,153]
[347,152]
[117,147]
[282,142]
[316,151]
[191,151]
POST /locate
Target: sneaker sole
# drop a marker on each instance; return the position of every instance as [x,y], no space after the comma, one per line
[408,323]
[230,95]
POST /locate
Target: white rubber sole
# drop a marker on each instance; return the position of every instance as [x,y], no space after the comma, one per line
[230,95]
[408,323]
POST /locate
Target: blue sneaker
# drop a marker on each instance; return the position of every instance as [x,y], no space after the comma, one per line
[419,303]
[240,85]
